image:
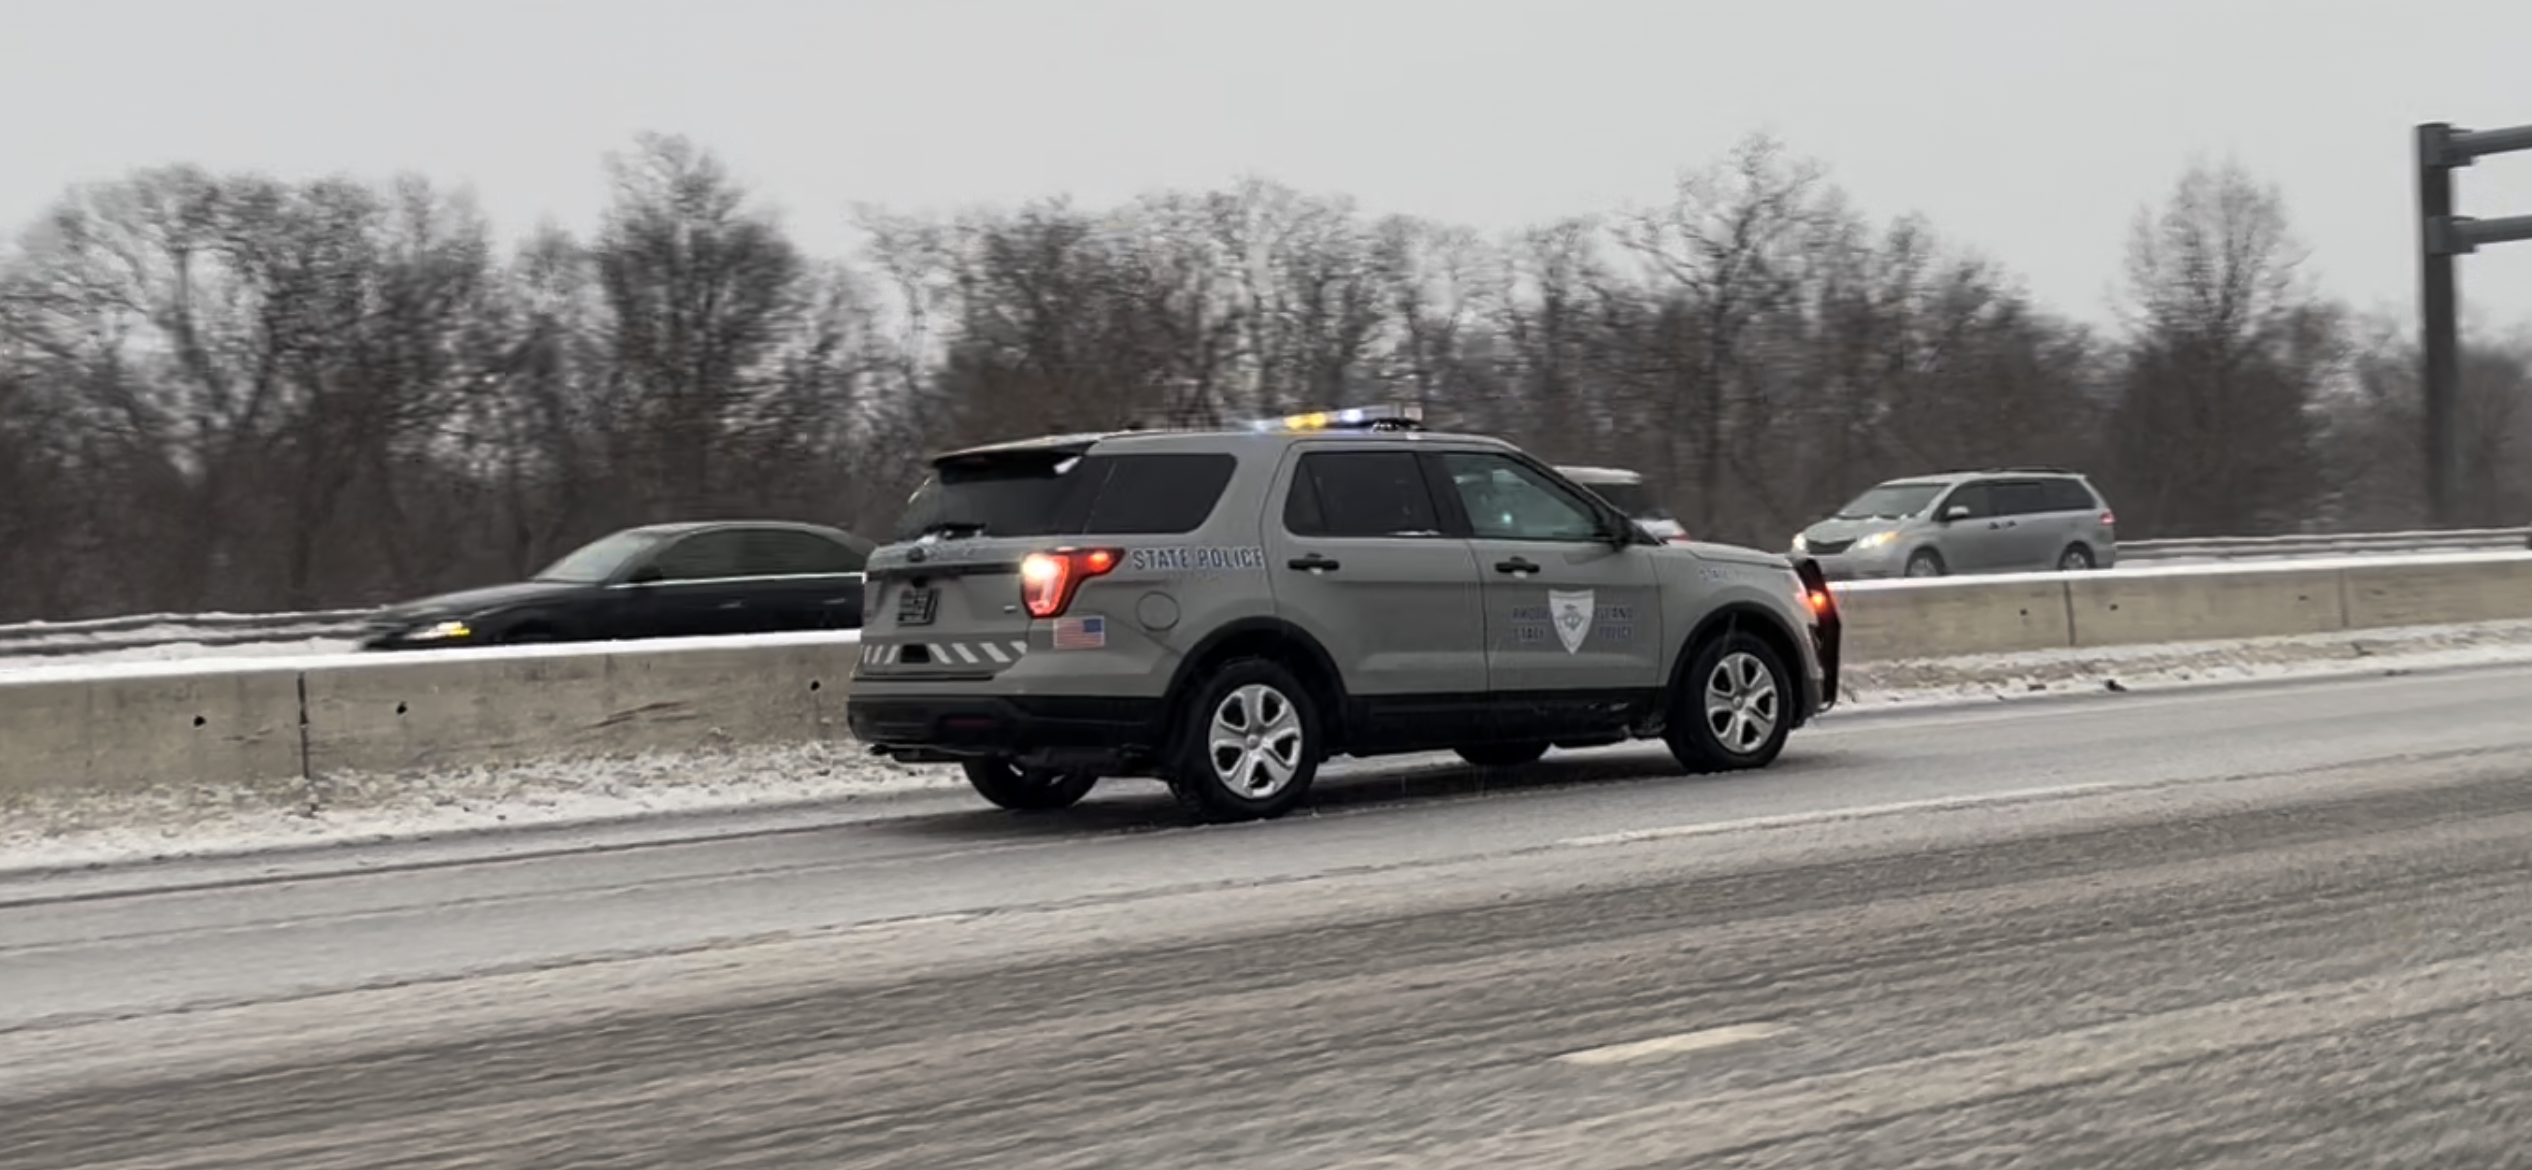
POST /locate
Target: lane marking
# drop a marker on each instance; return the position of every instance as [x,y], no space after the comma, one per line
[1857,812]
[1674,1045]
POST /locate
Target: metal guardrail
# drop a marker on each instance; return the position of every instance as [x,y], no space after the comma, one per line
[215,630]
[145,631]
[2237,548]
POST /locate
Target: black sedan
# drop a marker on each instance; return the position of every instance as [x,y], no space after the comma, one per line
[660,581]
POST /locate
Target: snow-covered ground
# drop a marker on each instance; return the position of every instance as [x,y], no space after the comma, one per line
[11,664]
[320,655]
[95,829]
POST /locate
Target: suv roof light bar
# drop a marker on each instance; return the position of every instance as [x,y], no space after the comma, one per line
[1397,416]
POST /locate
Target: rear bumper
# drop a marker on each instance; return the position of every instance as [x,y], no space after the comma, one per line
[1098,733]
[1828,630]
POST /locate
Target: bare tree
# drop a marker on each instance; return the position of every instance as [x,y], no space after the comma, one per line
[2228,349]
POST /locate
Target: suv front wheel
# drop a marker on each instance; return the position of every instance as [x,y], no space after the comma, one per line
[1248,743]
[1734,710]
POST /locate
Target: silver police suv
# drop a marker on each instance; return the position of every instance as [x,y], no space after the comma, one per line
[2002,520]
[1225,609]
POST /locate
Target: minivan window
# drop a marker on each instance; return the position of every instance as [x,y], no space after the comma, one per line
[2068,495]
[1894,501]
[2020,497]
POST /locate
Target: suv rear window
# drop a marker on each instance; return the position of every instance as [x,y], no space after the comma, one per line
[1064,493]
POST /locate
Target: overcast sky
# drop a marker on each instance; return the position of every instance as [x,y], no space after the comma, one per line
[2031,129]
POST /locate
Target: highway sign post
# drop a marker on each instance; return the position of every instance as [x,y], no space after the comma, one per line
[2442,235]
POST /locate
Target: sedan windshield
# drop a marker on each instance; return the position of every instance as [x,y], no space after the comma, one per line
[599,559]
[1891,500]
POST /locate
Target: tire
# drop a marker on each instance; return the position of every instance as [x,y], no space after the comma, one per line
[1280,758]
[2076,559]
[1503,755]
[1019,789]
[1739,681]
[1925,562]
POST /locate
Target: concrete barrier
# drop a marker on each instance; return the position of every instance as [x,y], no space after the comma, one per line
[233,730]
[1929,619]
[285,729]
[2438,593]
[2132,609]
[378,715]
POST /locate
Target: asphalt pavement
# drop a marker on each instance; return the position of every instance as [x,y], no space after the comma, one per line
[2278,926]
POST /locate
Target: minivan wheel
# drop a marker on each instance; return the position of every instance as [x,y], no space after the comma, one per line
[2076,559]
[1248,743]
[1019,789]
[1925,562]
[1734,709]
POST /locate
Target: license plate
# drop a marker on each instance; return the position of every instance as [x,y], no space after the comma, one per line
[915,607]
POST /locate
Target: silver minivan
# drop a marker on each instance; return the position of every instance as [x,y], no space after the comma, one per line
[2002,520]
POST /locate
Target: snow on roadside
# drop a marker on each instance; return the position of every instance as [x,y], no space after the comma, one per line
[2169,664]
[202,822]
[323,654]
[185,652]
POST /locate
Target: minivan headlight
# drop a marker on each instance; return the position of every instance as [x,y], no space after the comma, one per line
[1876,540]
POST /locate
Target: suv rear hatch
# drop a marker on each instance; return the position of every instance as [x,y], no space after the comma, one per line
[943,601]
[999,542]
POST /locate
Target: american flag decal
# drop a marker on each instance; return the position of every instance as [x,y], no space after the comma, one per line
[1081,633]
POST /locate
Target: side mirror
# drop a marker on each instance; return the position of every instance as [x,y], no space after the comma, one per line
[1956,512]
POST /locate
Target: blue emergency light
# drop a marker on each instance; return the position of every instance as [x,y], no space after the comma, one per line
[1400,416]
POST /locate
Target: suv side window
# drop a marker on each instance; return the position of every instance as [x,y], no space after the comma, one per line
[779,552]
[1975,496]
[1158,494]
[705,556]
[2021,497]
[1360,494]
[1509,500]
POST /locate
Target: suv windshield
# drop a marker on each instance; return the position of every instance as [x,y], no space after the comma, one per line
[599,559]
[1893,501]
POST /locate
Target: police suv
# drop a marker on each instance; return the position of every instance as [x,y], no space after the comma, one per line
[1225,609]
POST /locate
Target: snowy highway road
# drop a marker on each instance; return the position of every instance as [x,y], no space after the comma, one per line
[2265,926]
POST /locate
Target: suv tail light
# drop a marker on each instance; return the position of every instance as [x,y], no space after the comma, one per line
[1048,580]
[2109,518]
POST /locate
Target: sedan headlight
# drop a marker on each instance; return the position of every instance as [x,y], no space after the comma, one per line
[440,632]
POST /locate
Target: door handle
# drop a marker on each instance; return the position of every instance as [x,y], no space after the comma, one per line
[1312,561]
[1516,565]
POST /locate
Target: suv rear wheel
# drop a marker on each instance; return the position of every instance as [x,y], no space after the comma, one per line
[1027,789]
[1248,743]
[1732,713]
